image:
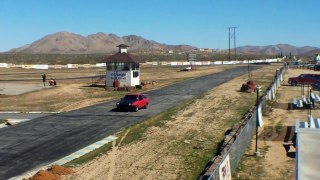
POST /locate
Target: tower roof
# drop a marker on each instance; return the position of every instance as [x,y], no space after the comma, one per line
[123,45]
[121,58]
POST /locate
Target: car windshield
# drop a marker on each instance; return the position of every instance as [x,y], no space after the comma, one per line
[130,97]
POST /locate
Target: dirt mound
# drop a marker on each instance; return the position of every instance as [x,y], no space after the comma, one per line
[45,175]
[53,173]
[60,170]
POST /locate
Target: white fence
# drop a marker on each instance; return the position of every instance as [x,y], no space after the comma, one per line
[163,63]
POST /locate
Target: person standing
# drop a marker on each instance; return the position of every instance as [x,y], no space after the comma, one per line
[44,78]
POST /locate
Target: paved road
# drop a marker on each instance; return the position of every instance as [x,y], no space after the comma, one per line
[23,115]
[46,139]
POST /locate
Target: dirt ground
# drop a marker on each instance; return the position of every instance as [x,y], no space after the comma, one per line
[53,173]
[16,88]
[170,151]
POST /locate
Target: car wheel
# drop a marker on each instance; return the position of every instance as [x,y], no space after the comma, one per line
[136,108]
[294,83]
[146,106]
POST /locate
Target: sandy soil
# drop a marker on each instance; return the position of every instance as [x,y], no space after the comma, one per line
[165,152]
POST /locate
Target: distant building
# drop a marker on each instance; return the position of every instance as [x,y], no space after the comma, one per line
[205,50]
[294,58]
[216,50]
[170,52]
[317,59]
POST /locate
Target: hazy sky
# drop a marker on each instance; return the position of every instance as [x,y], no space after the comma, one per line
[200,23]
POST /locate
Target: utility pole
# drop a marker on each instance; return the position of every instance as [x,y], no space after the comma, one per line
[229,44]
[234,43]
[249,75]
[232,36]
[257,153]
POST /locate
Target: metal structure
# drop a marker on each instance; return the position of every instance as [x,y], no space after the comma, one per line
[257,153]
[192,59]
[232,35]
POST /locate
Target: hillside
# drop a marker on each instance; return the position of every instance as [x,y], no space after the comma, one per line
[311,53]
[70,43]
[276,49]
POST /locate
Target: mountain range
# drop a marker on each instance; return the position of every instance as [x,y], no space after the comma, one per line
[70,43]
[284,49]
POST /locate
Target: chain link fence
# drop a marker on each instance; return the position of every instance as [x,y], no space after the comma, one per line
[238,140]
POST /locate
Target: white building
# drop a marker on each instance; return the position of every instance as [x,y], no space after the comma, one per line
[317,59]
[122,69]
[205,50]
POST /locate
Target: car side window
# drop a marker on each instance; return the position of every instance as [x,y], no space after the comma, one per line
[310,76]
[140,97]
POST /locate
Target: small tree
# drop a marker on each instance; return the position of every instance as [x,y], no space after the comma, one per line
[290,55]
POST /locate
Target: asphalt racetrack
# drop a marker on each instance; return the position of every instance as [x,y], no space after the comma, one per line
[46,139]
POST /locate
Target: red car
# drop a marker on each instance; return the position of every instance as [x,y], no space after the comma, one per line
[133,101]
[304,79]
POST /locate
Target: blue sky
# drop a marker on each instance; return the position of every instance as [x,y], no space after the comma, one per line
[200,23]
